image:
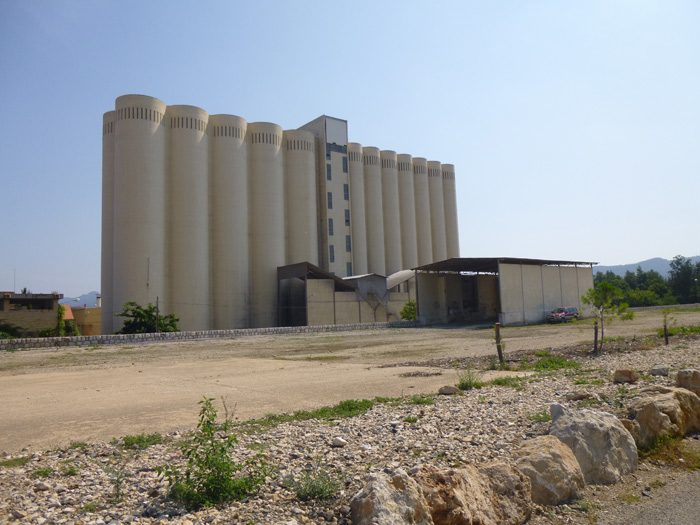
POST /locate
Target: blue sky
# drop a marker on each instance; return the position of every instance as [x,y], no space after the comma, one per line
[574,126]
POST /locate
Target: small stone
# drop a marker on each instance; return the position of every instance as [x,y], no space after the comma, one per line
[40,486]
[338,442]
[625,376]
[448,390]
[18,514]
[660,370]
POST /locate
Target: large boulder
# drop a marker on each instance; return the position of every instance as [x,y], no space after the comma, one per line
[494,494]
[660,410]
[604,448]
[512,501]
[390,497]
[689,379]
[552,468]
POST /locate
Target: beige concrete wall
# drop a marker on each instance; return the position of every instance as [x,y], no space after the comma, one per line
[532,294]
[188,224]
[346,308]
[487,287]
[432,305]
[30,321]
[529,292]
[320,302]
[88,320]
[551,285]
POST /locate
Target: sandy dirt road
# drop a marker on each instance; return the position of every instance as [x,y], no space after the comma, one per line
[53,396]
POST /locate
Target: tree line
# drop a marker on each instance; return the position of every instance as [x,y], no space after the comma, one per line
[640,288]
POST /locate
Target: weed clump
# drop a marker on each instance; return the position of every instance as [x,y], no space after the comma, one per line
[468,379]
[211,476]
[316,484]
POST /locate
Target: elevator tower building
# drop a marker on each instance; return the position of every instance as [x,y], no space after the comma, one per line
[199,210]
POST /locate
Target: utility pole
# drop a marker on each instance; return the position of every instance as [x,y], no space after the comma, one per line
[157,316]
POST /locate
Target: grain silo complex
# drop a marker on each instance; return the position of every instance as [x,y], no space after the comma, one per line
[199,211]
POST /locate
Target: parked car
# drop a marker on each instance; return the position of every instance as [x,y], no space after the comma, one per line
[562,315]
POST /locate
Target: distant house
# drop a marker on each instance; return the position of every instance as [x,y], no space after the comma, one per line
[31,312]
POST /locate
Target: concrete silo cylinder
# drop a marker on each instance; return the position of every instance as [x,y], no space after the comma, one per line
[449,195]
[266,198]
[358,225]
[374,217]
[422,202]
[140,164]
[392,216]
[189,216]
[107,267]
[407,208]
[229,221]
[437,211]
[300,197]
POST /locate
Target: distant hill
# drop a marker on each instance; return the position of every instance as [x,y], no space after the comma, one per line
[88,300]
[657,264]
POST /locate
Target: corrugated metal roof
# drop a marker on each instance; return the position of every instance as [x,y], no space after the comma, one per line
[490,264]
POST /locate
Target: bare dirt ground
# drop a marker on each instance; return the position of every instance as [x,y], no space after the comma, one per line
[54,396]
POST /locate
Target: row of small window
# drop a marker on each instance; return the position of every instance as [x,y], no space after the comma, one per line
[330,222]
[139,113]
[331,249]
[187,123]
[265,138]
[388,163]
[228,131]
[301,145]
[346,196]
[107,127]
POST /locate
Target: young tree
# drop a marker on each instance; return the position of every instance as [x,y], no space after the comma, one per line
[681,279]
[146,320]
[602,299]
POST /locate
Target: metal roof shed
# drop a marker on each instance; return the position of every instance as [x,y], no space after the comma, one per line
[513,291]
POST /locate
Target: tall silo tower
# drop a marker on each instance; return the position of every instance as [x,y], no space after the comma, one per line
[229,221]
[374,217]
[422,200]
[450,202]
[358,223]
[437,211]
[407,207]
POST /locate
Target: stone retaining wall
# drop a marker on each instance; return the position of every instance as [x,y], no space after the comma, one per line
[118,339]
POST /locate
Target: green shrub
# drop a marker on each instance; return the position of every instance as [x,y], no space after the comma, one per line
[409,311]
[211,476]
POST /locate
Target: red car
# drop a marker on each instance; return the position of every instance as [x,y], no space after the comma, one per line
[562,315]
